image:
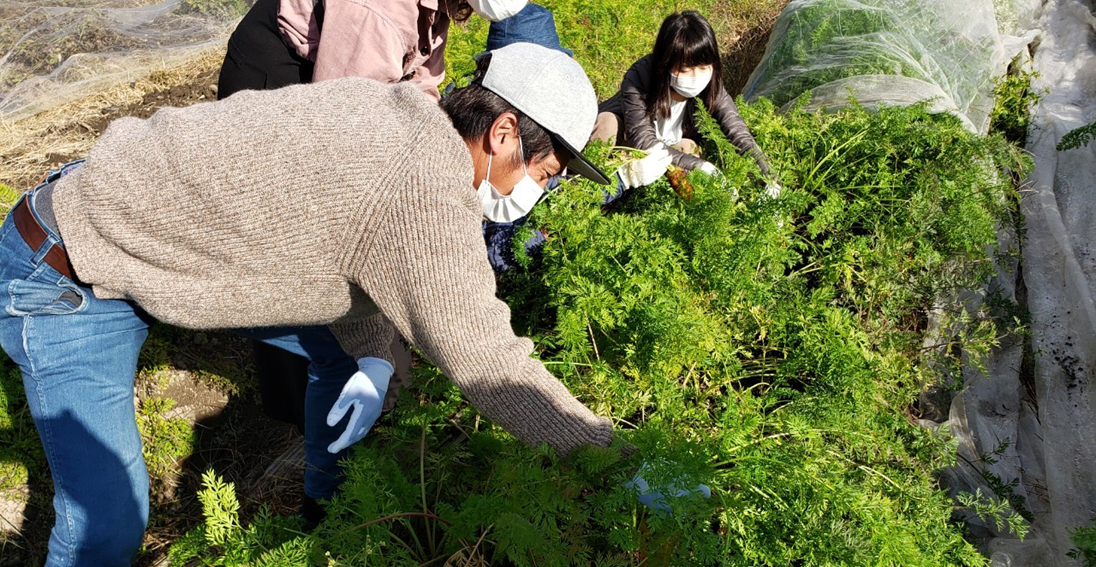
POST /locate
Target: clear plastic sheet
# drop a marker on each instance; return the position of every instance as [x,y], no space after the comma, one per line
[54,51]
[945,50]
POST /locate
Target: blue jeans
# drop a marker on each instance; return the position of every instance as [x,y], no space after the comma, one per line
[78,357]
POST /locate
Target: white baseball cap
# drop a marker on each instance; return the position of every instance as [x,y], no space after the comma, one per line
[552,89]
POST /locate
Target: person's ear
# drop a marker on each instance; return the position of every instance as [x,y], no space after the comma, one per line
[502,136]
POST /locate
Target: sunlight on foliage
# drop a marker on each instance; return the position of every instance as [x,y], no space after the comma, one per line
[770,348]
[165,440]
[21,453]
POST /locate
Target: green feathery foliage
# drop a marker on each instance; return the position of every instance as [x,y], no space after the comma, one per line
[1077,138]
[21,452]
[1084,538]
[8,197]
[771,348]
[165,440]
[1014,99]
[268,541]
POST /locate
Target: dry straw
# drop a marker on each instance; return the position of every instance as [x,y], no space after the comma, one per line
[31,146]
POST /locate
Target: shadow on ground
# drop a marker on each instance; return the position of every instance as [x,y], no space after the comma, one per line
[209,377]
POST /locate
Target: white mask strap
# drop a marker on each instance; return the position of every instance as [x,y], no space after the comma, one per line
[488,178]
[521,155]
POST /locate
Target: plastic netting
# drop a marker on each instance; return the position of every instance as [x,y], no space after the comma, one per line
[1014,16]
[54,51]
[885,51]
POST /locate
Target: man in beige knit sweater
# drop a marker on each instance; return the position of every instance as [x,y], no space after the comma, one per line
[370,221]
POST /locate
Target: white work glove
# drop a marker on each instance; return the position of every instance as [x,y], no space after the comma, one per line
[709,168]
[365,393]
[655,498]
[645,170]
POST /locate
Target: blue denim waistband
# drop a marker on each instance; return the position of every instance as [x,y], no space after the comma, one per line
[40,200]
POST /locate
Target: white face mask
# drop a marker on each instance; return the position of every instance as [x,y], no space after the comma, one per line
[689,87]
[496,10]
[509,208]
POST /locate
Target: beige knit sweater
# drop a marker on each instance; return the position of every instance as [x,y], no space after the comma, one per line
[314,204]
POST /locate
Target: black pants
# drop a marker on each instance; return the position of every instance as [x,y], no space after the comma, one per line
[283,378]
[258,58]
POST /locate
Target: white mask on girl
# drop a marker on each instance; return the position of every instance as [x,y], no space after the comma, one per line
[509,208]
[497,10]
[689,87]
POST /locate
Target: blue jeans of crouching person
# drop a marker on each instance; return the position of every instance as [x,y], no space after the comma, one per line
[78,357]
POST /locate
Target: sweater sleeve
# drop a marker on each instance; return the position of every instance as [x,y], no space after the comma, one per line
[371,337]
[639,129]
[432,280]
[734,127]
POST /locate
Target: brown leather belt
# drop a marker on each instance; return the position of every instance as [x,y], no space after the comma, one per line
[35,235]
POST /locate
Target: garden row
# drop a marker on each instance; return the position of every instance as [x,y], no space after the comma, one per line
[773,349]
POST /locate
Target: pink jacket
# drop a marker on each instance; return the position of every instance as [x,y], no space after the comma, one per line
[386,40]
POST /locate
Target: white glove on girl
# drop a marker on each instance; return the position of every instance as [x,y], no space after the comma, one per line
[709,168]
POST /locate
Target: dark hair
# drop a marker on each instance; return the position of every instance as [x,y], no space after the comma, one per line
[474,108]
[458,10]
[684,40]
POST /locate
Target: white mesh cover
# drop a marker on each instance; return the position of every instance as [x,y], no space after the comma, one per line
[947,51]
[54,51]
[1041,411]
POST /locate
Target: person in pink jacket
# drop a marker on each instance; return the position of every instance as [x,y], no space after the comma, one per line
[284,42]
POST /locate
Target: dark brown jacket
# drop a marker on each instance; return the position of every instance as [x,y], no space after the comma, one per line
[630,105]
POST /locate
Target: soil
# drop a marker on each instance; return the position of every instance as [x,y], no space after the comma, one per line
[204,89]
[262,457]
[743,52]
[31,147]
[241,444]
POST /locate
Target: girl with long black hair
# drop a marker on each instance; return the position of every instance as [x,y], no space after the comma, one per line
[659,94]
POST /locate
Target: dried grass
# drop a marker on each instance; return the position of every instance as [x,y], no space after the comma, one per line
[743,31]
[29,147]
